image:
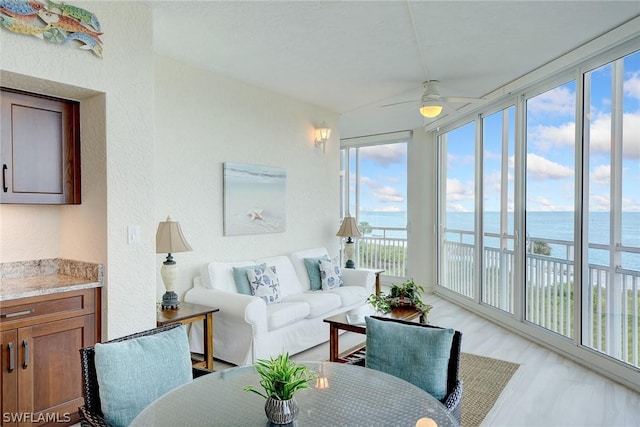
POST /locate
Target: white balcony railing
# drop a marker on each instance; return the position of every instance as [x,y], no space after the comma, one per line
[549,293]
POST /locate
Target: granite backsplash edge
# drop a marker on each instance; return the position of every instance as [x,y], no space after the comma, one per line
[83,270]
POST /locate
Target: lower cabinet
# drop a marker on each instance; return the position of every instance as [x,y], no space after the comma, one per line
[41,381]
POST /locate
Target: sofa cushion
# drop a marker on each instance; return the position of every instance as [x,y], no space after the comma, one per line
[297,259]
[350,295]
[289,282]
[241,277]
[219,275]
[330,274]
[133,373]
[388,351]
[286,313]
[313,271]
[264,283]
[319,302]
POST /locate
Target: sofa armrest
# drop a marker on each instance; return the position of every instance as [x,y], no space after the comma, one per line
[359,277]
[237,308]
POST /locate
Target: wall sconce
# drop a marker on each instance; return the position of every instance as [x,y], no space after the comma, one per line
[323,133]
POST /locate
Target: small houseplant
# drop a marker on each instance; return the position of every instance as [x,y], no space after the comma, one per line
[406,294]
[281,379]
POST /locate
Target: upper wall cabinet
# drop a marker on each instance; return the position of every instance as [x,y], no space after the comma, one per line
[39,149]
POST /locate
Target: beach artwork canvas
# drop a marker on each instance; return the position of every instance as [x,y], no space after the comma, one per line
[254,199]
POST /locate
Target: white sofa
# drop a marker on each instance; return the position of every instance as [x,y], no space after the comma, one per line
[246,328]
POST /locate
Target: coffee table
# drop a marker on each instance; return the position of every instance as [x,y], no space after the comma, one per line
[339,322]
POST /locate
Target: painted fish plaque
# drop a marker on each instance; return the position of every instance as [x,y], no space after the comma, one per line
[57,23]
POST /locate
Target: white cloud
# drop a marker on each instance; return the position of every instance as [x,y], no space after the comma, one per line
[632,86]
[385,155]
[388,209]
[601,174]
[540,168]
[456,191]
[543,204]
[387,194]
[558,101]
[456,208]
[382,193]
[599,202]
[600,135]
[547,137]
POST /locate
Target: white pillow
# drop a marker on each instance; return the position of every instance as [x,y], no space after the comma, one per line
[264,283]
[330,274]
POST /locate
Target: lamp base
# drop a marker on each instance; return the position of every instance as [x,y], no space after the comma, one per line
[350,264]
[170,301]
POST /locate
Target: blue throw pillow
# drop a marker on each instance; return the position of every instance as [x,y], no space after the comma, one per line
[133,373]
[313,270]
[242,281]
[265,284]
[391,348]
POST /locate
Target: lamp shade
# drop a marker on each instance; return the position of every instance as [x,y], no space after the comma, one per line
[349,228]
[169,238]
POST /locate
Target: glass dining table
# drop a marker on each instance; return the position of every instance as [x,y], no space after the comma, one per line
[343,395]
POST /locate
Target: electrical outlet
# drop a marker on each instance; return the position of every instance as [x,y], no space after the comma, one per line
[133,234]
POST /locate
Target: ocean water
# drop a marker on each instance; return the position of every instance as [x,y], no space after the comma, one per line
[555,226]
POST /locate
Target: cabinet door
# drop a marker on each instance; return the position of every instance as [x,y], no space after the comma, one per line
[50,387]
[9,377]
[40,150]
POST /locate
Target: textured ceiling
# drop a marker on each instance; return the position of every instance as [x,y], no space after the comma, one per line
[353,57]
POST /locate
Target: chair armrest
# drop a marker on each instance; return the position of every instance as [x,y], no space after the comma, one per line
[359,277]
[237,308]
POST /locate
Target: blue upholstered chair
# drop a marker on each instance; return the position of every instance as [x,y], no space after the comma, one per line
[424,355]
[133,371]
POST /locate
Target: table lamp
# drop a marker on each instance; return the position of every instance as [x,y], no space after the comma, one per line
[349,229]
[169,239]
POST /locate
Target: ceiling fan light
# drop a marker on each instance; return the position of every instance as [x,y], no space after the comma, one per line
[431,109]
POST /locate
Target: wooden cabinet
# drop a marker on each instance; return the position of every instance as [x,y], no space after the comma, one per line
[41,381]
[39,149]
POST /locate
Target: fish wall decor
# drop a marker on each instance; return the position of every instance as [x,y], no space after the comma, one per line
[55,22]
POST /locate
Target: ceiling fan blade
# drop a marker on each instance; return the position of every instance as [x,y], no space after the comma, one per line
[400,103]
[462,99]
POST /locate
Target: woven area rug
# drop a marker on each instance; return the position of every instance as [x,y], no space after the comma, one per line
[483,379]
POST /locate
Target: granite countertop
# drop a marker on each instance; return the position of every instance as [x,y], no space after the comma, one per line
[42,277]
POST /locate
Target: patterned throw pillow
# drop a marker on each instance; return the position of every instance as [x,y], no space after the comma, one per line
[330,274]
[313,270]
[264,284]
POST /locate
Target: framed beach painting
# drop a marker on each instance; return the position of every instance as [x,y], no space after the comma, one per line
[254,199]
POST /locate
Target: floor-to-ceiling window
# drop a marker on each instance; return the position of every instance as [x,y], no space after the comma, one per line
[457,217]
[498,240]
[549,232]
[539,209]
[374,189]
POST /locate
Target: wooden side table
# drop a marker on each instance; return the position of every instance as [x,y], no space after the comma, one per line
[189,313]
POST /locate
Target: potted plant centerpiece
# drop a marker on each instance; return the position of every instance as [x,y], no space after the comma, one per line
[406,294]
[281,378]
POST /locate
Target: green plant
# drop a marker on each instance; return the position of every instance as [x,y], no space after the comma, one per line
[404,294]
[281,377]
[379,303]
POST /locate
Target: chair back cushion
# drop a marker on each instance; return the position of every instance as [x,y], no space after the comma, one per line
[417,354]
[133,373]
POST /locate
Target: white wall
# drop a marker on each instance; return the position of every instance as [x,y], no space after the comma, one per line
[203,120]
[117,99]
[133,174]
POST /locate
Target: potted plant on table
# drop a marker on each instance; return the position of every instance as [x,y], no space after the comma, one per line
[281,379]
[406,294]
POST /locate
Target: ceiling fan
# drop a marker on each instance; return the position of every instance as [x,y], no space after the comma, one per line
[432,103]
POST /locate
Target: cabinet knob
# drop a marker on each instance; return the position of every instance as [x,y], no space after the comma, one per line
[25,346]
[12,357]
[4,178]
